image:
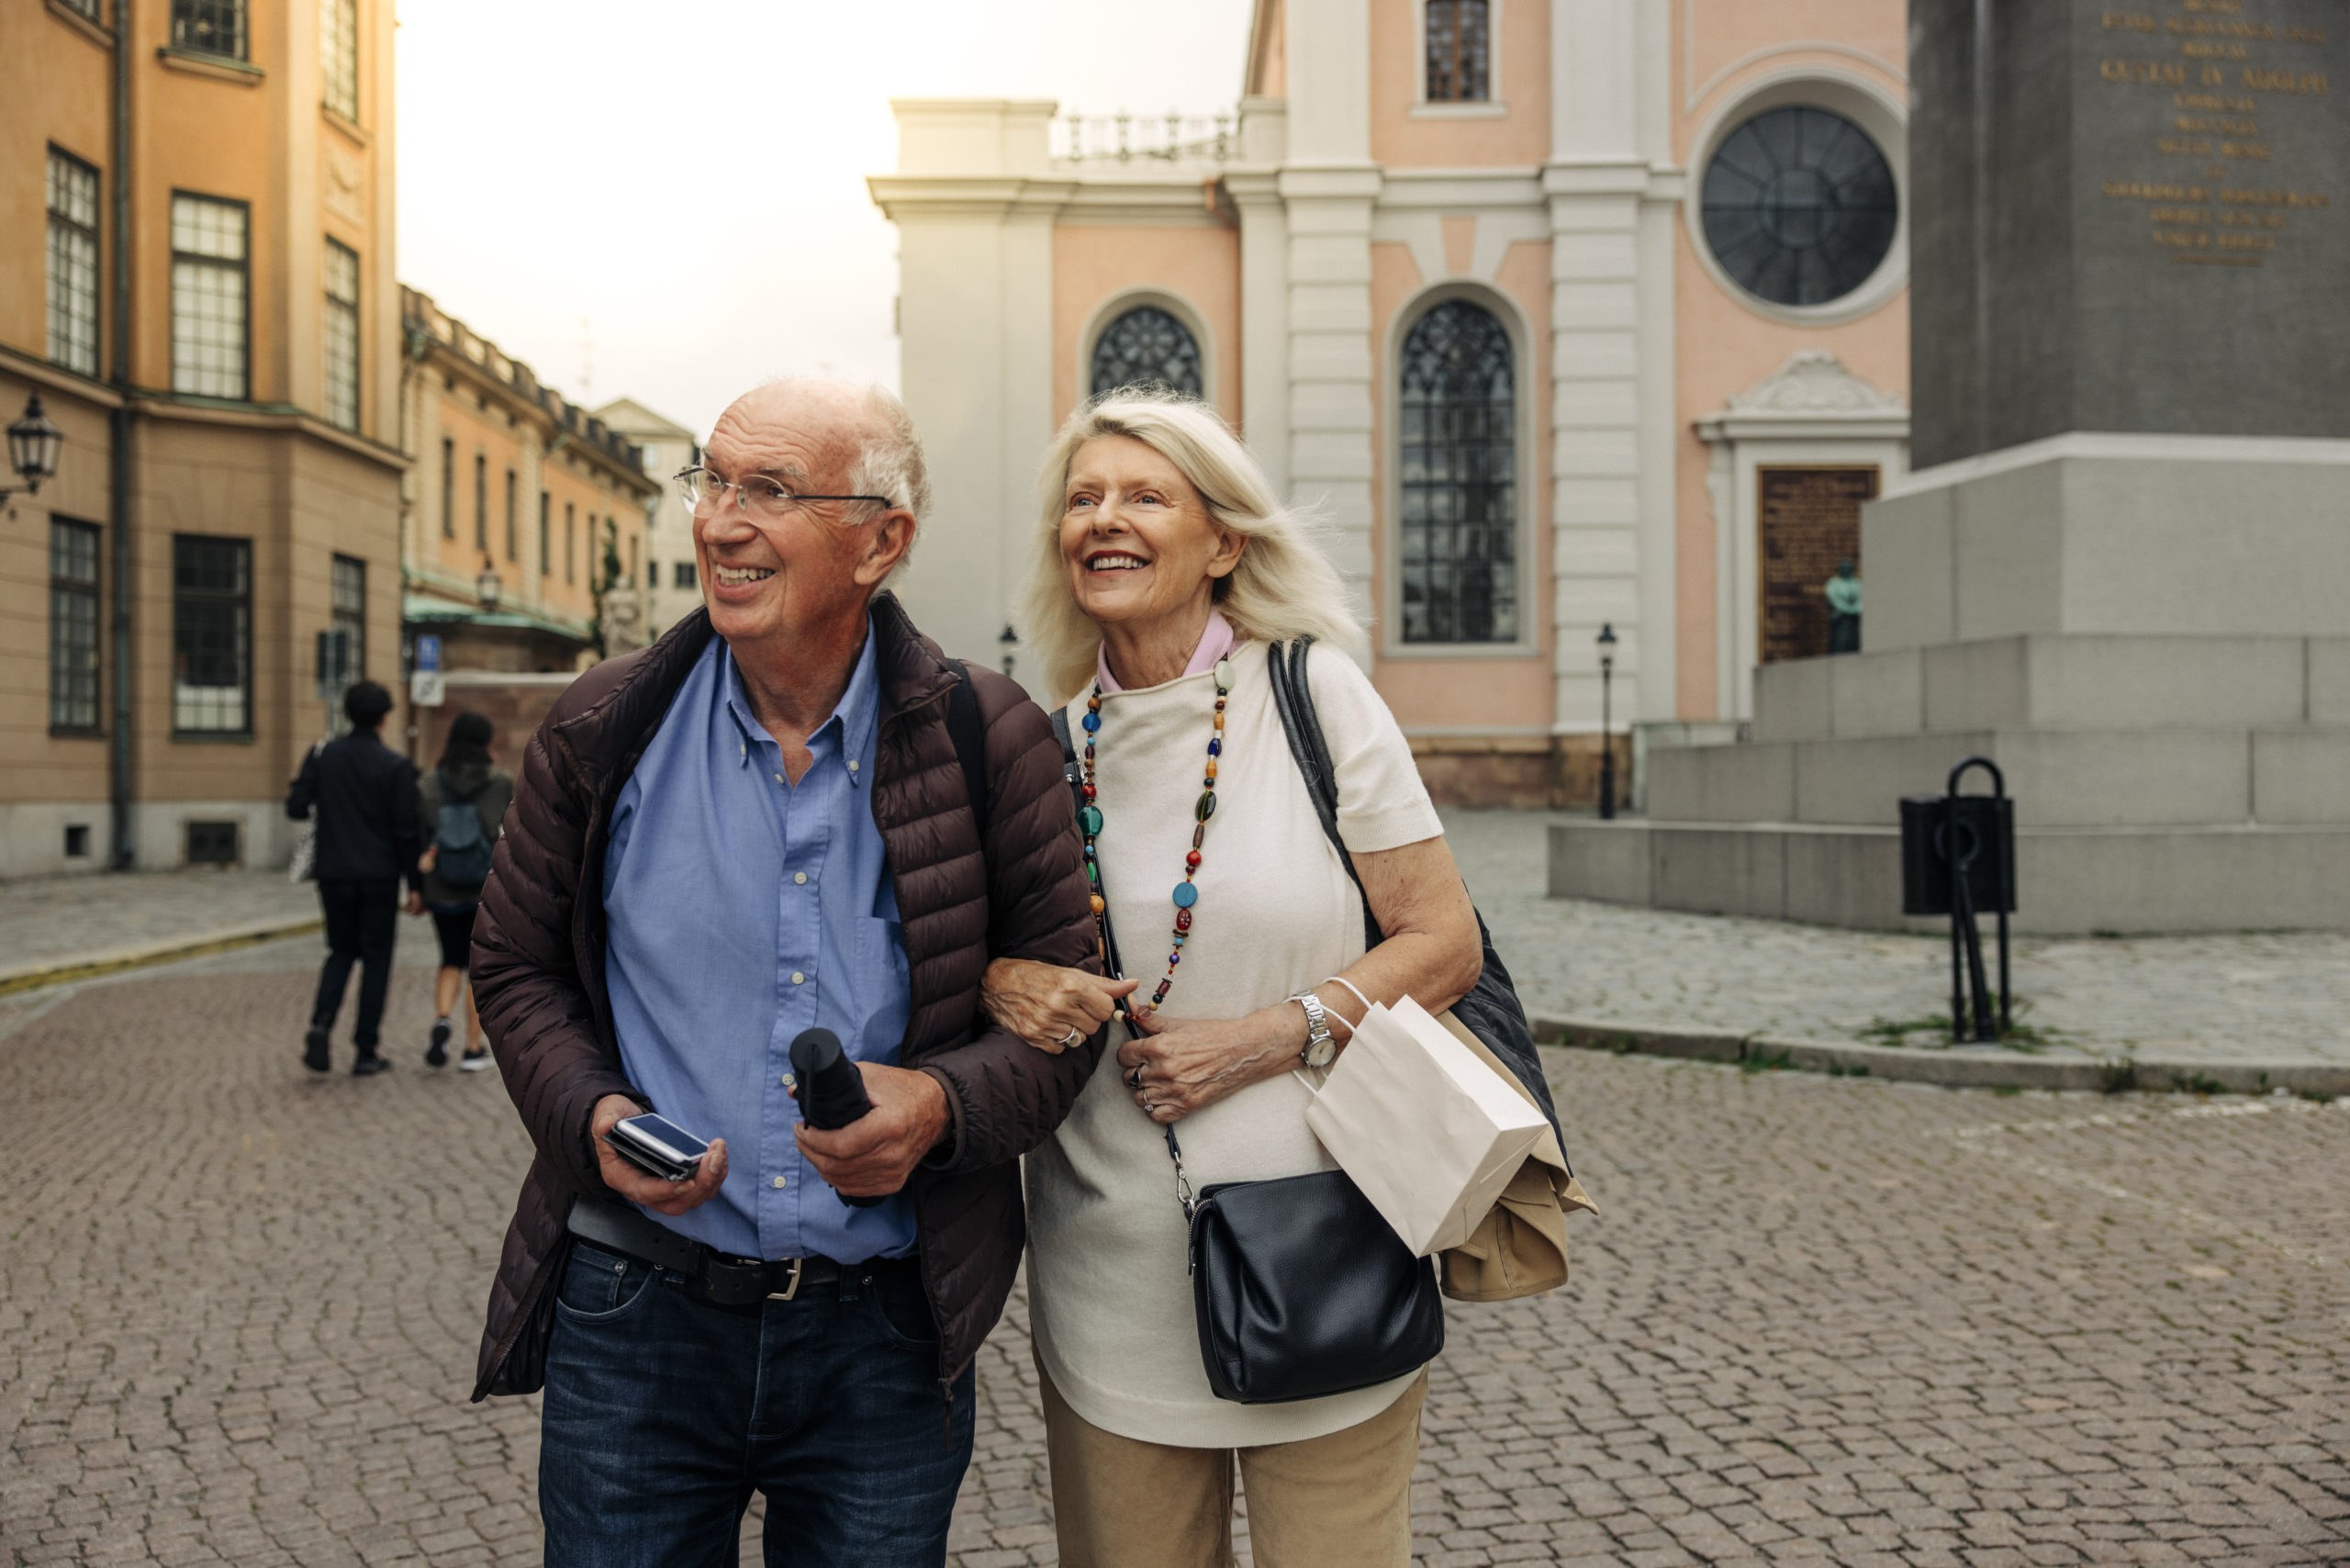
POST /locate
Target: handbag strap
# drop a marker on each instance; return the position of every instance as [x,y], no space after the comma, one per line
[1310,748]
[1075,775]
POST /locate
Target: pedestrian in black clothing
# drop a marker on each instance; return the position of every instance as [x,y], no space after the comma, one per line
[363,794]
[463,806]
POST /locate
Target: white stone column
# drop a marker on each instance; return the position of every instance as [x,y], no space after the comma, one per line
[1329,186]
[973,199]
[1255,190]
[1612,359]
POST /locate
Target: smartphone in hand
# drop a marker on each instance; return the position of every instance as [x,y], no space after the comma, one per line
[658,1147]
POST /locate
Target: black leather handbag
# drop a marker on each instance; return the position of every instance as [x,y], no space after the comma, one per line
[1300,1288]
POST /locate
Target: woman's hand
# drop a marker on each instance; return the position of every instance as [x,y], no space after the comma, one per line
[1182,1065]
[1042,1004]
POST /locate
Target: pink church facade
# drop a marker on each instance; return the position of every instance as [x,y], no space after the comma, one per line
[1564,314]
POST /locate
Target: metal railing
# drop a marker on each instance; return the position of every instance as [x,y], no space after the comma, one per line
[1126,137]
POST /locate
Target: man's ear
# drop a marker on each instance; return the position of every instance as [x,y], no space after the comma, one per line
[893,534]
[1228,547]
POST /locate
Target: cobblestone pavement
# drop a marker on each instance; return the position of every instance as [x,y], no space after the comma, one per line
[58,918]
[1819,1320]
[2227,997]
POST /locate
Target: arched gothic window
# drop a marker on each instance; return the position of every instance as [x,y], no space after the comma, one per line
[1147,347]
[1458,527]
[1459,47]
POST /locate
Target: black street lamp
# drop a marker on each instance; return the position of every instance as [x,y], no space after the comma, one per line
[1011,640]
[33,444]
[489,586]
[1606,722]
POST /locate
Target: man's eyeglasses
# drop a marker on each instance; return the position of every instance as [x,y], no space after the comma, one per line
[758,494]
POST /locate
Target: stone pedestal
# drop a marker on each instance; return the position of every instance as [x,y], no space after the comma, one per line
[2122,570]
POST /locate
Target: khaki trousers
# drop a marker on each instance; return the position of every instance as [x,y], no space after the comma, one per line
[1341,1499]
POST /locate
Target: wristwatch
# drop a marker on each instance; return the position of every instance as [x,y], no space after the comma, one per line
[1320,1049]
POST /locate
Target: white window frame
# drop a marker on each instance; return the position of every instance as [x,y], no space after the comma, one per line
[1531,404]
[1493,105]
[187,266]
[1175,305]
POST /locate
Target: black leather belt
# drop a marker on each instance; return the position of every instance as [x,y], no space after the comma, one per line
[719,1278]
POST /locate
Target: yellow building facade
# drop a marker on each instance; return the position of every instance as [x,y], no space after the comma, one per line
[514,490]
[196,202]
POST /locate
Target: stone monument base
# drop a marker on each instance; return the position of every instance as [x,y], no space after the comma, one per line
[2156,648]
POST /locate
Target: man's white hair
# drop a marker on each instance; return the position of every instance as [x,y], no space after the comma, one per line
[891,462]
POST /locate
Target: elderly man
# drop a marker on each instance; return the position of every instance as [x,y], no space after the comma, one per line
[791,813]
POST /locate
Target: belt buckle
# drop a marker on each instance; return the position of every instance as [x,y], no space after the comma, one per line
[792,1288]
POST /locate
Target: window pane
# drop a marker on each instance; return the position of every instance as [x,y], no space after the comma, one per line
[1457,475]
[339,55]
[73,625]
[211,635]
[209,27]
[1460,50]
[1147,347]
[350,613]
[209,345]
[1799,205]
[73,262]
[342,337]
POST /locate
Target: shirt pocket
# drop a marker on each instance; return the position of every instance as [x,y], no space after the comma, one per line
[884,986]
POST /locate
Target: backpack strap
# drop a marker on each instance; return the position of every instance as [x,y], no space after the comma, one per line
[969,733]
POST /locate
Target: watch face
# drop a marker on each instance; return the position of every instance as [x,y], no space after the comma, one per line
[1318,1053]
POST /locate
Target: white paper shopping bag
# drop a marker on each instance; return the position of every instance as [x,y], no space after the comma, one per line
[1422,1126]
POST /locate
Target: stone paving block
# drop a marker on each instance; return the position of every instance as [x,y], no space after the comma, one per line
[1825,1321]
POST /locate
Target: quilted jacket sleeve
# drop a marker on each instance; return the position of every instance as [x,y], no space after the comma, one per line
[1006,1096]
[534,1004]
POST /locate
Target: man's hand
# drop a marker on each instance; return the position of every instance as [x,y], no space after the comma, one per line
[638,1187]
[872,1157]
[415,903]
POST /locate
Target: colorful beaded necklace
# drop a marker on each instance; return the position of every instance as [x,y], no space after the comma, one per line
[1187,891]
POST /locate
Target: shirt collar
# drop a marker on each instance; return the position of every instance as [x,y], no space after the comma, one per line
[1216,643]
[852,722]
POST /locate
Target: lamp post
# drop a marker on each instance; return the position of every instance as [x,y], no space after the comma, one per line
[1011,640]
[1606,722]
[33,444]
[489,586]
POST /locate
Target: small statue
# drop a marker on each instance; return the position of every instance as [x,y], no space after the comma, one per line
[623,616]
[1844,609]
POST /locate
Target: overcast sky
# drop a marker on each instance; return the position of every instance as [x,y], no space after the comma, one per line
[688,179]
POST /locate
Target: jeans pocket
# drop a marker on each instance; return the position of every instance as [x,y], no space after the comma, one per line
[902,1312]
[598,1286]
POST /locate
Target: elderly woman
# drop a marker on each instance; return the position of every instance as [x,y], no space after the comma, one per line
[1166,567]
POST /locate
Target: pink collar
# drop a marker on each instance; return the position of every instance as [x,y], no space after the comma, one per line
[1216,642]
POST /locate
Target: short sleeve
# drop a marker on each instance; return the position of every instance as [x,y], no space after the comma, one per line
[1381,802]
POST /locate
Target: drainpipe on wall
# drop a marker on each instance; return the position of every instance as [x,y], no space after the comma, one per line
[125,850]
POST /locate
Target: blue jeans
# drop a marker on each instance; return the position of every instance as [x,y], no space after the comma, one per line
[664,1414]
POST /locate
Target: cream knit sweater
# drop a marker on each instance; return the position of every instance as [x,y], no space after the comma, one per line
[1110,1300]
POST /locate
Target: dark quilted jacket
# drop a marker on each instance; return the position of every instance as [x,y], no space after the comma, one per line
[538,965]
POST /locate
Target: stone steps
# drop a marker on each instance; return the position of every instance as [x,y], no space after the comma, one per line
[2058,682]
[2294,774]
[2070,881]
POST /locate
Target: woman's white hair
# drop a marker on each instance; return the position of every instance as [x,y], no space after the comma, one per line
[1284,585]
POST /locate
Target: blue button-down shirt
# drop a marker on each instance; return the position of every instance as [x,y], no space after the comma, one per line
[742,910]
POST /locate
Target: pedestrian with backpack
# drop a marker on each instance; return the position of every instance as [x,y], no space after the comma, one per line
[463,806]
